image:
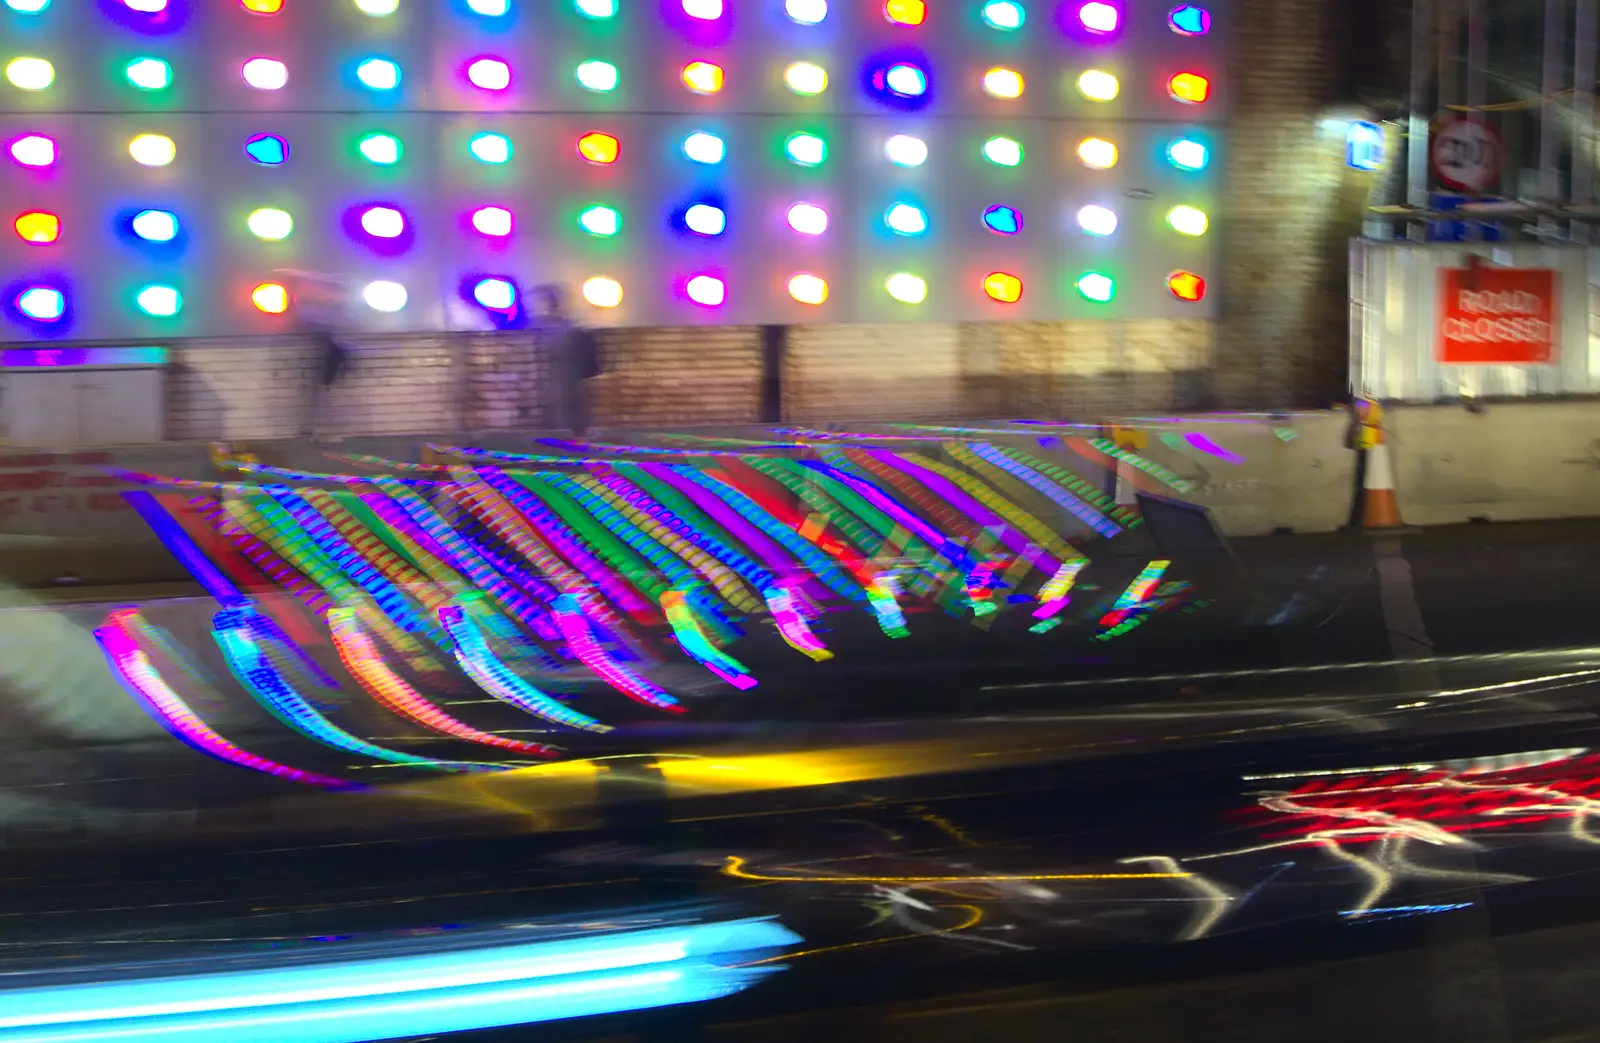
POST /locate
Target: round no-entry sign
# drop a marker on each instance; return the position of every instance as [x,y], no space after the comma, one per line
[1466,155]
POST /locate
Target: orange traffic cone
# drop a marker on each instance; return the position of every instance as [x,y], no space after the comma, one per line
[1380,510]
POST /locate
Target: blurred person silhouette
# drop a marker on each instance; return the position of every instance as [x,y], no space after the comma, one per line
[319,309]
[574,355]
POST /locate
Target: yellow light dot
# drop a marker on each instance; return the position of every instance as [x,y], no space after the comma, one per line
[808,289]
[270,297]
[1003,287]
[602,292]
[39,227]
[702,77]
[599,148]
[1002,83]
[1098,86]
[1097,153]
[152,150]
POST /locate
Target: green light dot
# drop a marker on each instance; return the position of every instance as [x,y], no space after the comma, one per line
[382,149]
[1097,287]
[600,220]
[807,150]
[148,74]
[491,148]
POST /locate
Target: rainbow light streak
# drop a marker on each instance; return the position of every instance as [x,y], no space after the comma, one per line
[172,536]
[232,629]
[716,572]
[262,557]
[1150,467]
[463,556]
[1082,511]
[391,692]
[678,507]
[555,511]
[485,668]
[872,494]
[895,538]
[1077,485]
[1055,589]
[697,645]
[736,524]
[1136,593]
[884,597]
[792,625]
[551,530]
[346,1001]
[747,569]
[133,669]
[807,492]
[821,565]
[1203,443]
[580,638]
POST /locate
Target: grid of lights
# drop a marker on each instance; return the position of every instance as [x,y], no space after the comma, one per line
[902,81]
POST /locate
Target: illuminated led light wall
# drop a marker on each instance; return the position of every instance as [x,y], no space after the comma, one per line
[671,162]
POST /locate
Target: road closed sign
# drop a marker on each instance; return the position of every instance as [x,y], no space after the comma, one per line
[1498,315]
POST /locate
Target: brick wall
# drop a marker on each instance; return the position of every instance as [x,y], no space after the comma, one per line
[708,375]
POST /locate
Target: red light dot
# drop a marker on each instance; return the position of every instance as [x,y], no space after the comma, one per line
[1189,87]
[599,148]
[1003,287]
[1186,286]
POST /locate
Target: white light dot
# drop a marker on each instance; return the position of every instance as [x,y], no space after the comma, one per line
[149,74]
[808,289]
[383,295]
[906,288]
[42,304]
[704,148]
[490,8]
[705,219]
[903,150]
[152,150]
[382,149]
[602,292]
[904,219]
[497,294]
[808,219]
[265,74]
[270,224]
[806,78]
[597,8]
[378,8]
[30,74]
[806,12]
[1097,220]
[383,222]
[704,9]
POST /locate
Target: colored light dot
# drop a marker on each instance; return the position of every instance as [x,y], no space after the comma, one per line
[903,150]
[807,150]
[382,149]
[152,150]
[34,150]
[1098,86]
[599,148]
[704,148]
[1097,153]
[1097,220]
[492,221]
[379,74]
[490,148]
[384,222]
[906,288]
[1097,287]
[1003,220]
[1099,18]
[706,10]
[1189,87]
[270,224]
[490,74]
[28,6]
[905,12]
[146,6]
[1002,83]
[267,149]
[905,219]
[706,291]
[1004,15]
[378,8]
[38,227]
[383,295]
[602,292]
[808,219]
[1188,154]
[42,303]
[597,8]
[1189,20]
[262,6]
[1004,152]
[490,8]
[1003,287]
[1186,286]
[808,289]
[806,12]
[270,297]
[265,74]
[1187,220]
[161,301]
[148,74]
[600,220]
[908,81]
[30,74]
[806,78]
[597,76]
[705,219]
[155,226]
[702,77]
[495,294]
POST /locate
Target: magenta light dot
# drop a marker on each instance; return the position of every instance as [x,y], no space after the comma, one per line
[707,291]
[1099,18]
[490,74]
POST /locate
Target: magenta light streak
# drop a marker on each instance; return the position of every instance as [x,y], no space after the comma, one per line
[1206,445]
[575,628]
[133,669]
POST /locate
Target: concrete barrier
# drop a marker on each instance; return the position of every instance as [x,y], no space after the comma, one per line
[1510,462]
